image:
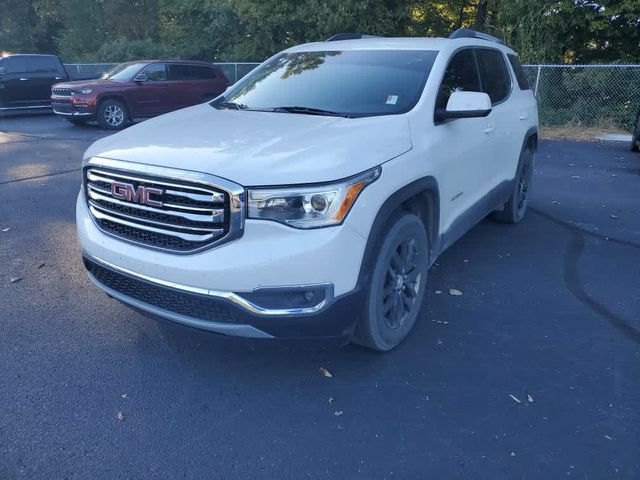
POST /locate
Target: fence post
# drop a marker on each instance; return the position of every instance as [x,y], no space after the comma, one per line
[235,66]
[535,90]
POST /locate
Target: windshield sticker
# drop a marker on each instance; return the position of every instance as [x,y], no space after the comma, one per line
[392,99]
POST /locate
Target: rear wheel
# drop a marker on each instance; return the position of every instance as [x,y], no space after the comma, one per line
[396,290]
[112,114]
[516,207]
[635,141]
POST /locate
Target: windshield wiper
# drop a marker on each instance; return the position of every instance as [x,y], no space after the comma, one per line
[310,111]
[231,105]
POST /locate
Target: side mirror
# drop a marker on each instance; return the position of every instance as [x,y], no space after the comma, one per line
[141,78]
[465,105]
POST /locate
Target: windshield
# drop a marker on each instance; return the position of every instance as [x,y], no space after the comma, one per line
[352,82]
[124,72]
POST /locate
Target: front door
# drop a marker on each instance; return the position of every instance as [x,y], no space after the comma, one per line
[150,97]
[463,147]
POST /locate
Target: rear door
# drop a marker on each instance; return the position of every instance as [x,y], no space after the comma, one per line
[502,122]
[43,71]
[184,89]
[15,82]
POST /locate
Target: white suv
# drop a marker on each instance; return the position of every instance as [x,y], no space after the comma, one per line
[311,198]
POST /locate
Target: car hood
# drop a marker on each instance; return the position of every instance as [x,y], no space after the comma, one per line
[260,148]
[98,82]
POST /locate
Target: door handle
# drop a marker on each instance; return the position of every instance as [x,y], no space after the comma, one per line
[59,78]
[524,116]
[490,129]
[23,79]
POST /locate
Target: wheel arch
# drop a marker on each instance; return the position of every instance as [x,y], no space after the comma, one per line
[420,197]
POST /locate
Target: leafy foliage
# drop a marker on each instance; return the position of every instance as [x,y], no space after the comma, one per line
[113,30]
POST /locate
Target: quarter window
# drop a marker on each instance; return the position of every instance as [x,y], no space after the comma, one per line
[461,75]
[202,73]
[496,81]
[520,76]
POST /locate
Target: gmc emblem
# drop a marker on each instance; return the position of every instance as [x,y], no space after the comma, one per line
[142,195]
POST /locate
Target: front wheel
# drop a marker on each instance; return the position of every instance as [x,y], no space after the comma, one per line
[112,114]
[516,207]
[635,140]
[396,290]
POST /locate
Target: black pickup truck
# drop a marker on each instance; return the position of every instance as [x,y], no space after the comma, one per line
[25,81]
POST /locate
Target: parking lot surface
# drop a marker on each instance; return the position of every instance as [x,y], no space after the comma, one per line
[533,372]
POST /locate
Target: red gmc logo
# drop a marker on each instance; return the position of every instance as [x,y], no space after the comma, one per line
[142,195]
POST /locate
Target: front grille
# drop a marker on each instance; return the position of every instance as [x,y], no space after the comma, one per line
[61,92]
[168,214]
[191,305]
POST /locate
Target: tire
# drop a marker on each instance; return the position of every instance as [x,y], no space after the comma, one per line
[76,121]
[515,208]
[399,275]
[112,114]
[635,140]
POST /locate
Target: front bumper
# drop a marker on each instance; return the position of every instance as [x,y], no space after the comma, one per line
[68,107]
[230,313]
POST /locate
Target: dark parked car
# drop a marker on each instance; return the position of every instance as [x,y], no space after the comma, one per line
[25,81]
[138,90]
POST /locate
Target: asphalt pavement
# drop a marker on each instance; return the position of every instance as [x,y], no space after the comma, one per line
[532,373]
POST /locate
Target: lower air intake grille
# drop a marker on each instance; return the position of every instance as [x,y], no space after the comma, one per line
[191,305]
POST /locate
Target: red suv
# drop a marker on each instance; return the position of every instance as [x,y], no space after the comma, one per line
[137,90]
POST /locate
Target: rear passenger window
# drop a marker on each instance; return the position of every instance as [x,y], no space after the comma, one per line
[496,81]
[517,68]
[16,65]
[203,73]
[461,74]
[180,72]
[42,65]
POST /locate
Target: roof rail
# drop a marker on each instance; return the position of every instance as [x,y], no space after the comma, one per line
[348,36]
[468,33]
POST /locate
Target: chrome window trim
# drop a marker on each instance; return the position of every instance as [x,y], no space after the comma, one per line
[232,297]
[235,191]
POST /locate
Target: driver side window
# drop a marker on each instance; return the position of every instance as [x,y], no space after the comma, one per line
[156,72]
[461,74]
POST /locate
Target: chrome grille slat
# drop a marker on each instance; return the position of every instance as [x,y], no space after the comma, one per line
[94,175]
[174,210]
[184,236]
[61,92]
[167,226]
[213,216]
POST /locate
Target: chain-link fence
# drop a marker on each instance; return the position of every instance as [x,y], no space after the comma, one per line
[604,96]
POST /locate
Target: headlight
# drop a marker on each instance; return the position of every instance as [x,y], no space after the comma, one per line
[83,91]
[312,206]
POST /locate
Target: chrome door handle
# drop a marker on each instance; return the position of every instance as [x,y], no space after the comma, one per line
[524,116]
[23,79]
[490,129]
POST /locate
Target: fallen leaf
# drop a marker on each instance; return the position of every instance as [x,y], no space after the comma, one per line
[454,292]
[15,279]
[337,413]
[325,372]
[515,399]
[615,217]
[42,265]
[6,229]
[530,398]
[555,202]
[120,416]
[608,437]
[124,396]
[331,400]
[513,454]
[438,292]
[575,176]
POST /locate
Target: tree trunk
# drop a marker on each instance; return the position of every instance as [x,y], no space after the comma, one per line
[481,14]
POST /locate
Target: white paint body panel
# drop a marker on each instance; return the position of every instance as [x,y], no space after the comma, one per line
[467,157]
